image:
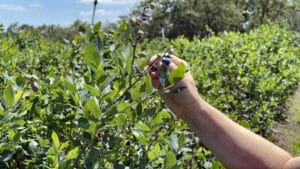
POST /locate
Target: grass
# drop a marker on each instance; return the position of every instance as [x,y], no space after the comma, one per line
[295,146]
[295,110]
[296,115]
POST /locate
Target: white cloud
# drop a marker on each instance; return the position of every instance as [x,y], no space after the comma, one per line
[8,7]
[19,8]
[110,2]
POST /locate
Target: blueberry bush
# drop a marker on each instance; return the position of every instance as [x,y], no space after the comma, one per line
[87,104]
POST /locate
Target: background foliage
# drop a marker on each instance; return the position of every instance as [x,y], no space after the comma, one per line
[76,97]
[192,17]
[71,106]
[189,18]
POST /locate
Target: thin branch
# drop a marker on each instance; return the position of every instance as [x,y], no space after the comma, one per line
[94,11]
[134,45]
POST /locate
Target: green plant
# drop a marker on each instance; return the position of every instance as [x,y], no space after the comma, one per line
[248,76]
[87,114]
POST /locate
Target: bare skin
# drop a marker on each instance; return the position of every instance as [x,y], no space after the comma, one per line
[235,146]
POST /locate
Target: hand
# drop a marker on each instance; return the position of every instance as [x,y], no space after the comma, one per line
[182,102]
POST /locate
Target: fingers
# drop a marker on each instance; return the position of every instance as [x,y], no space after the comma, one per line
[155,64]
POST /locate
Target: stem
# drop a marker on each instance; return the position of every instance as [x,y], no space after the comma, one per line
[132,62]
[94,11]
[134,45]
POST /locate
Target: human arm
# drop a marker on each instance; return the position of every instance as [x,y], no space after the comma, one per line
[232,144]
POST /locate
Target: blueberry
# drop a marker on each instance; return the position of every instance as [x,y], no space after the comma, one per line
[166,61]
[34,86]
[153,68]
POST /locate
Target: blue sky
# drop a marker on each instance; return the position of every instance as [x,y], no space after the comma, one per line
[62,12]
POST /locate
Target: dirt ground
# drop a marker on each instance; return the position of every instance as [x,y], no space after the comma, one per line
[288,132]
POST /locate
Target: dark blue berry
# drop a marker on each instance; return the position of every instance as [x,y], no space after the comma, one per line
[153,68]
[34,86]
[166,61]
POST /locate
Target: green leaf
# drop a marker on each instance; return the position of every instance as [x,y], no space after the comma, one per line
[97,26]
[143,140]
[92,56]
[179,166]
[11,134]
[216,165]
[6,58]
[164,76]
[135,93]
[55,140]
[142,126]
[154,152]
[146,88]
[93,107]
[99,44]
[128,64]
[72,154]
[159,118]
[100,75]
[170,160]
[92,89]
[140,136]
[174,141]
[178,73]
[120,120]
[44,142]
[64,145]
[123,26]
[70,84]
[126,52]
[151,155]
[9,95]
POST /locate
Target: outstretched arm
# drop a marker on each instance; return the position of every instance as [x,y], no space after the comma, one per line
[235,146]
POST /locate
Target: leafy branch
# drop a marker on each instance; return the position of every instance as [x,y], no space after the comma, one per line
[138,36]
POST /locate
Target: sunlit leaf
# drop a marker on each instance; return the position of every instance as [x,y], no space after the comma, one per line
[55,140]
[123,26]
[92,56]
[93,106]
[70,84]
[9,95]
[43,142]
[170,160]
[72,154]
[120,120]
[19,94]
[97,26]
[177,73]
[64,145]
[142,126]
[92,89]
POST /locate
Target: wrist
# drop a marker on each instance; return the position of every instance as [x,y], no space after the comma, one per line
[193,110]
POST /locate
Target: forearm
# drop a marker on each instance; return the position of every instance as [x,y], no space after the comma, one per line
[233,145]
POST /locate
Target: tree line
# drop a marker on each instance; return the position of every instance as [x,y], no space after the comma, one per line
[190,18]
[196,17]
